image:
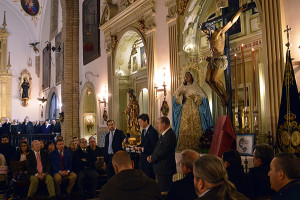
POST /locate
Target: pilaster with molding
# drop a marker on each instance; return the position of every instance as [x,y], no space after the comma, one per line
[172,20]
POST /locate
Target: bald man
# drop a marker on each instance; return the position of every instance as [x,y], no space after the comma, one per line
[128,183]
[184,188]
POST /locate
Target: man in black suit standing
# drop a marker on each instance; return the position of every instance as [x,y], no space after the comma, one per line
[113,144]
[149,139]
[38,168]
[163,156]
[184,188]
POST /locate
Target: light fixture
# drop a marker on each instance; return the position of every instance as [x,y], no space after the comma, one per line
[164,107]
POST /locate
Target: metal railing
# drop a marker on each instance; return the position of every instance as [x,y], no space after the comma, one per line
[16,139]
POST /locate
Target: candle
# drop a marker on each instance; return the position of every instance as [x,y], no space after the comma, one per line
[244,76]
[254,84]
[235,77]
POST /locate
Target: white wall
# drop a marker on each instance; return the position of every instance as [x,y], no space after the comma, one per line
[22,32]
[97,66]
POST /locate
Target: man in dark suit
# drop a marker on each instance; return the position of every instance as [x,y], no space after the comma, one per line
[285,176]
[149,139]
[163,156]
[37,127]
[184,188]
[55,127]
[38,168]
[61,167]
[84,166]
[27,127]
[7,149]
[113,144]
[6,127]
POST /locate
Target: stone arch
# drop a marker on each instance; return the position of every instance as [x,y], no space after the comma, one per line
[88,86]
[127,78]
[52,91]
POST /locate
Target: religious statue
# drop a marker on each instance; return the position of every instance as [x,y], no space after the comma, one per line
[25,87]
[191,115]
[132,113]
[217,63]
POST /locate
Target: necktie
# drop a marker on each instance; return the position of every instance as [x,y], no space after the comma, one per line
[144,132]
[111,136]
[62,161]
[39,163]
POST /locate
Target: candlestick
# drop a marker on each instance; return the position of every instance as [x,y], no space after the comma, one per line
[244,76]
[236,89]
[254,84]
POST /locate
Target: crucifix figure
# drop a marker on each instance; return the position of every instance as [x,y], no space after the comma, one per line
[217,63]
[287,30]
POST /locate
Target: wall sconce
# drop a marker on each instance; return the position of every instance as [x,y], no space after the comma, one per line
[90,122]
[53,48]
[41,102]
[102,101]
[164,107]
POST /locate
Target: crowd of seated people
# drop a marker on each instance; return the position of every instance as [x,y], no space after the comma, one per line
[205,177]
[27,127]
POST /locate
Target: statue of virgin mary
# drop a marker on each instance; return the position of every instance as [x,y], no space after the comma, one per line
[191,115]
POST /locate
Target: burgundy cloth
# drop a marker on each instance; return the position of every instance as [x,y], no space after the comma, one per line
[223,136]
[62,161]
[39,163]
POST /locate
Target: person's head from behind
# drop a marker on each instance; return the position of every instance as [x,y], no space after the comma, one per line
[232,158]
[92,142]
[24,147]
[111,125]
[122,161]
[188,157]
[143,120]
[262,155]
[60,145]
[5,139]
[35,146]
[163,123]
[23,139]
[53,122]
[210,172]
[6,120]
[83,143]
[284,168]
[59,137]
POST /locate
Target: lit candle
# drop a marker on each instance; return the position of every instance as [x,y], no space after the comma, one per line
[244,76]
[236,89]
[254,84]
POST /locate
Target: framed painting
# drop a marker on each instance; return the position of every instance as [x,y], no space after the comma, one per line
[30,7]
[245,144]
[46,66]
[143,57]
[134,63]
[90,30]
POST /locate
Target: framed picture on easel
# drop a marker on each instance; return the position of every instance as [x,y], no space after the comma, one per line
[245,144]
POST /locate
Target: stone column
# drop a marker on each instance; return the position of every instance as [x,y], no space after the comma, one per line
[173,43]
[273,58]
[150,33]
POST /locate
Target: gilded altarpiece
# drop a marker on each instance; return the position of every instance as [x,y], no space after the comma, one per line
[5,76]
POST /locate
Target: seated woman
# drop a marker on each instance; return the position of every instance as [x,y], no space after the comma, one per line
[22,152]
[43,144]
[50,146]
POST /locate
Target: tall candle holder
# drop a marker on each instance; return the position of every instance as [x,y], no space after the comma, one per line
[255,120]
[246,120]
[236,123]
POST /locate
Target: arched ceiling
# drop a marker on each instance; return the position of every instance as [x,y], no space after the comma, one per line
[124,51]
[32,25]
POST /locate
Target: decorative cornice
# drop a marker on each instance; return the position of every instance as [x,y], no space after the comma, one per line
[141,9]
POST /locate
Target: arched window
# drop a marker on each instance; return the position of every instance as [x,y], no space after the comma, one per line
[54,108]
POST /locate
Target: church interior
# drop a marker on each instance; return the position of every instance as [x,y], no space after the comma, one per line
[84,62]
